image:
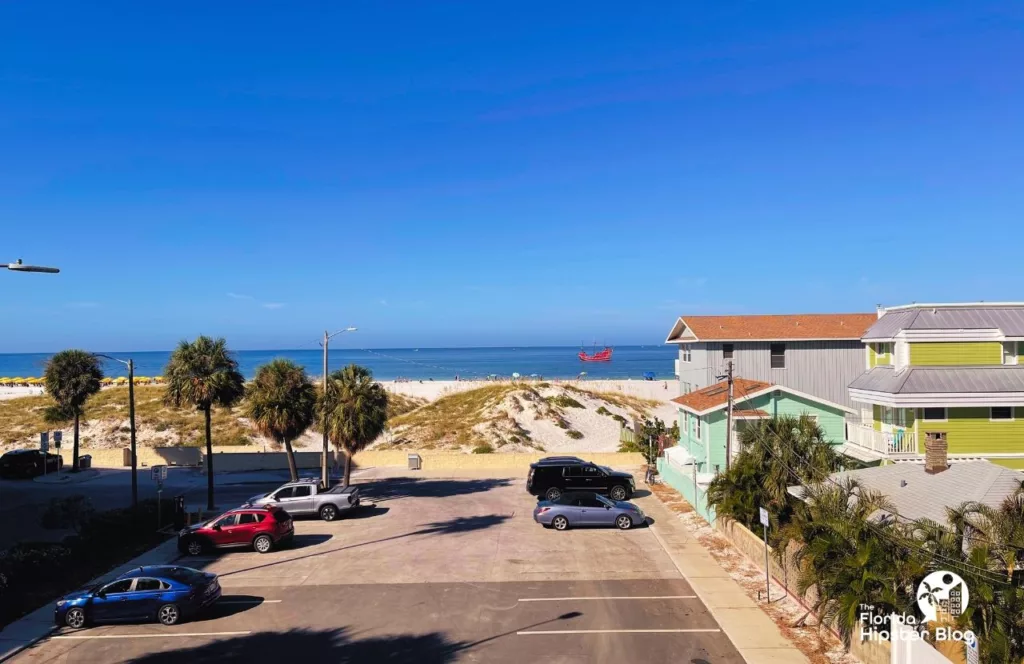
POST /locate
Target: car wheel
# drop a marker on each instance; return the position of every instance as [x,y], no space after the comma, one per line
[328,512]
[554,493]
[263,544]
[194,547]
[560,523]
[168,614]
[618,493]
[624,522]
[75,618]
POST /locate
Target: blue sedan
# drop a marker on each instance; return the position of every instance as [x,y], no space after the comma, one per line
[164,593]
[575,508]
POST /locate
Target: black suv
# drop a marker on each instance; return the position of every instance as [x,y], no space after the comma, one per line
[28,463]
[550,476]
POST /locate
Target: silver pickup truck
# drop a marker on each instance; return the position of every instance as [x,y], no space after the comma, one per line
[308,496]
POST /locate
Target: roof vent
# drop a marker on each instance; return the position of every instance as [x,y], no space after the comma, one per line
[903,483]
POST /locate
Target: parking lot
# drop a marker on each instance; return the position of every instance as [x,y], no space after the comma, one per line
[432,570]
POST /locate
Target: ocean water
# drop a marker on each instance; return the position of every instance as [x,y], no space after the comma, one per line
[415,364]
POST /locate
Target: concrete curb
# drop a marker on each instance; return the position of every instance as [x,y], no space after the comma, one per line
[66,477]
[29,630]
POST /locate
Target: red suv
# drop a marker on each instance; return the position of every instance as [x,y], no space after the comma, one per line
[261,528]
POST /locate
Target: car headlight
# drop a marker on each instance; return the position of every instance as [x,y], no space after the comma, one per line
[61,602]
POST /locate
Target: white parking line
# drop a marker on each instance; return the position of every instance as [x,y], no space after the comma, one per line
[619,631]
[569,599]
[169,635]
[248,601]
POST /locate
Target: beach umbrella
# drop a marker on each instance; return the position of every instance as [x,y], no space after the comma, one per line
[34,381]
[5,379]
[107,381]
[19,379]
[515,374]
[122,379]
[158,379]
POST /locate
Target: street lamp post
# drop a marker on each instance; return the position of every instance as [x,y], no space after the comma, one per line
[21,267]
[324,477]
[130,363]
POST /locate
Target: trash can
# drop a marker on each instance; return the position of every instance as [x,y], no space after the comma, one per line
[415,462]
[85,461]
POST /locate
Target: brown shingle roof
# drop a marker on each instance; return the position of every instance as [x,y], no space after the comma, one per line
[776,327]
[717,395]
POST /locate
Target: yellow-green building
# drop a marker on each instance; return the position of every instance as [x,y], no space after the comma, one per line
[949,370]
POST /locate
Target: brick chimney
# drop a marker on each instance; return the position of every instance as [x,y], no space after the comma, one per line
[935,452]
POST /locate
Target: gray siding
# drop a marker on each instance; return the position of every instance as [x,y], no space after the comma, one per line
[821,368]
[694,373]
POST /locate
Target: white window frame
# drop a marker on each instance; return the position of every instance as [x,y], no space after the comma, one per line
[686,423]
[899,417]
[771,356]
[732,351]
[699,431]
[1011,418]
[1011,353]
[686,353]
[945,415]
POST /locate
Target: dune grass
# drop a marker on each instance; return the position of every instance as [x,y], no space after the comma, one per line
[23,418]
[636,405]
[450,419]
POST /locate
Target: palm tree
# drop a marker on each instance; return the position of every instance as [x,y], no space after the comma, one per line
[203,374]
[72,376]
[354,411]
[777,453]
[280,403]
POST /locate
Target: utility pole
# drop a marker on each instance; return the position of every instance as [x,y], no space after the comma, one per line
[131,425]
[324,475]
[728,418]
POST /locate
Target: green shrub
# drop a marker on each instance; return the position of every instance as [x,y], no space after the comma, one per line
[543,385]
[483,448]
[620,419]
[603,411]
[565,401]
[70,513]
[574,434]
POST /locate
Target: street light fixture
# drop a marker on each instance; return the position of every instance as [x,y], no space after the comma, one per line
[131,421]
[327,337]
[21,267]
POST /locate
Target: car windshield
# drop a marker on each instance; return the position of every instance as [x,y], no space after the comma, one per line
[604,500]
[606,469]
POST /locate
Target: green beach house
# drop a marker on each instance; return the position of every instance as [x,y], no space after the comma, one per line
[944,375]
[703,427]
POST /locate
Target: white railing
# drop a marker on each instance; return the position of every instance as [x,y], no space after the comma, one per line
[897,442]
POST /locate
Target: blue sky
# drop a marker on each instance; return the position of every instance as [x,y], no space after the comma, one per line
[445,174]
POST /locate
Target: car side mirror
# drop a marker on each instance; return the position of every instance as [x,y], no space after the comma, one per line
[607,507]
[101,594]
[217,527]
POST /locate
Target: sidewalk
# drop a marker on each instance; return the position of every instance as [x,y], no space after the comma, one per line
[755,635]
[66,477]
[25,633]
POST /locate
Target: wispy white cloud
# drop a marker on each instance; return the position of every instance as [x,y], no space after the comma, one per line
[383,303]
[272,305]
[82,305]
[237,296]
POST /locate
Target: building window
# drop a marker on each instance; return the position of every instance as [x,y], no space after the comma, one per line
[727,351]
[1004,413]
[698,428]
[1011,352]
[778,352]
[686,423]
[686,353]
[933,414]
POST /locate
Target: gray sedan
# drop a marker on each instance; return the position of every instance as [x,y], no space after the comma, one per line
[587,509]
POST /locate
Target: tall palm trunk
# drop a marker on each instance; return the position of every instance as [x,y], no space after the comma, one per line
[209,461]
[292,470]
[74,453]
[348,468]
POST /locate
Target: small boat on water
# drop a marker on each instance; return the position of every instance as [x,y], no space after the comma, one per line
[604,355]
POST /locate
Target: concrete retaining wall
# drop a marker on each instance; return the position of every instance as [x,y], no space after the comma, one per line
[250,460]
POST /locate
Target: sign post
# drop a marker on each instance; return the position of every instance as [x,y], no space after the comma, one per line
[57,437]
[767,570]
[44,447]
[972,651]
[159,474]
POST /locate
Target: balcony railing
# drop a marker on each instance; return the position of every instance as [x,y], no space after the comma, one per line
[898,442]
